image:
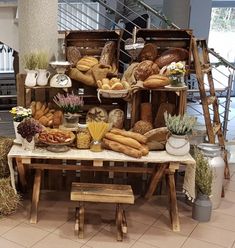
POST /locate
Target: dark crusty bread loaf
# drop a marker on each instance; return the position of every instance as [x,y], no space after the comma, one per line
[108,53]
[149,52]
[172,55]
[146,69]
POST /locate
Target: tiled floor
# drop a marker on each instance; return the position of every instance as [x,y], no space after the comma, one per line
[148,225]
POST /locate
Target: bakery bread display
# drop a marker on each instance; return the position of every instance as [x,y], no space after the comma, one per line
[156,81]
[149,52]
[86,63]
[172,55]
[142,127]
[146,69]
[116,118]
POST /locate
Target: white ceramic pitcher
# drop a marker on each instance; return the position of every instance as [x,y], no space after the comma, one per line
[43,76]
[31,78]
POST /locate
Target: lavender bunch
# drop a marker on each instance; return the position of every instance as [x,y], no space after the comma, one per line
[70,103]
[28,128]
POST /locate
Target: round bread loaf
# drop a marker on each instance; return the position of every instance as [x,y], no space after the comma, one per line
[156,81]
[149,52]
[116,117]
[145,69]
[172,55]
[86,63]
[73,55]
[142,127]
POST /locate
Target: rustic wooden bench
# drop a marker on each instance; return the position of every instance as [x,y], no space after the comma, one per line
[105,193]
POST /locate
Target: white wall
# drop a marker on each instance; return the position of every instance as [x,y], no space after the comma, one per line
[8,29]
[200,17]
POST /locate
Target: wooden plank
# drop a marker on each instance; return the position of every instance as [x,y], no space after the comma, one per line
[20,79]
[91,168]
[35,197]
[110,193]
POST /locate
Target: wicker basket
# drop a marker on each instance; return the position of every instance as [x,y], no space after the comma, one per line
[112,93]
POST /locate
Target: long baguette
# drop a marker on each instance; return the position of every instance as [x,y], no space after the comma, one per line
[139,137]
[123,140]
[117,147]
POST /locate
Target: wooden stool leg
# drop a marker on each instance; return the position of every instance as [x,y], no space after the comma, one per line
[81,221]
[119,224]
[76,228]
[124,222]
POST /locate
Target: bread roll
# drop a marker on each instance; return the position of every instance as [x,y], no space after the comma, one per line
[106,87]
[172,55]
[44,121]
[149,52]
[139,137]
[123,140]
[86,63]
[156,81]
[142,127]
[117,86]
[33,107]
[117,147]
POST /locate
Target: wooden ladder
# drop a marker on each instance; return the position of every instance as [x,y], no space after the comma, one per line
[212,120]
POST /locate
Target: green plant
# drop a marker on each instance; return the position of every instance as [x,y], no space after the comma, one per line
[43,60]
[204,174]
[30,60]
[179,125]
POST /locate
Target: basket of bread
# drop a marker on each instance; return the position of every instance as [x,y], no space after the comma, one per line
[113,88]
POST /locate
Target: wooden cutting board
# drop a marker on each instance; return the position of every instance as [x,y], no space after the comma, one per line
[159,119]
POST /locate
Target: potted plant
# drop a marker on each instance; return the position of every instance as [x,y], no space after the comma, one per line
[31,61]
[202,206]
[19,114]
[28,129]
[71,105]
[43,74]
[176,71]
[178,126]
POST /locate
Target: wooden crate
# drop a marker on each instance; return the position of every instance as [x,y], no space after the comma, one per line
[164,39]
[91,42]
[168,38]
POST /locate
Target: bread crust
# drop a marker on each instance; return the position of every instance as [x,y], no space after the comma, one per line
[156,81]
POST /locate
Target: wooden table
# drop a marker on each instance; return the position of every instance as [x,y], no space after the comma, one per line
[165,164]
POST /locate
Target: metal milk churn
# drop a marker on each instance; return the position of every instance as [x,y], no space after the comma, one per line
[213,154]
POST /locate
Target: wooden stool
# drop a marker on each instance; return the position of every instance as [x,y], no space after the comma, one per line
[105,193]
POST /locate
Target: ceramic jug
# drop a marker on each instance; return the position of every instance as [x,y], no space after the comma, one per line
[43,76]
[31,78]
